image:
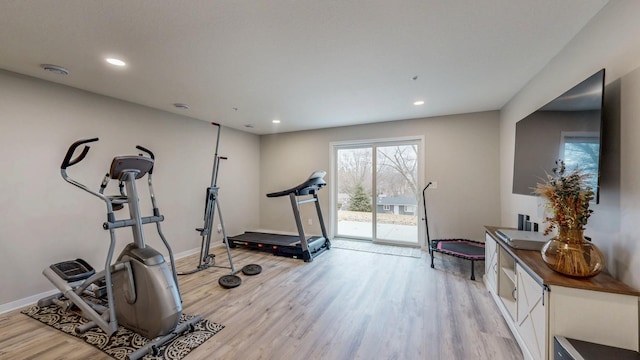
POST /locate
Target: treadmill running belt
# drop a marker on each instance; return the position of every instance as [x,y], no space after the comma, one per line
[266,238]
[282,245]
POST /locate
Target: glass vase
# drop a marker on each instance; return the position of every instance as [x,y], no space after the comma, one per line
[570,254]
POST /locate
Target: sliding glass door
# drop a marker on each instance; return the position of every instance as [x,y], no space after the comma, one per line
[355,186]
[377,197]
[397,198]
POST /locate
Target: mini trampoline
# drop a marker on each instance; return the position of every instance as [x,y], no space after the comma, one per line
[461,248]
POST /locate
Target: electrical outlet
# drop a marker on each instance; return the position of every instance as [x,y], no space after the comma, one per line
[310,221]
[219,229]
[434,185]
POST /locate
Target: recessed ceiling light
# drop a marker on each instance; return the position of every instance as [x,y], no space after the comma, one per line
[116,62]
[275,121]
[418,103]
[181,106]
[55,69]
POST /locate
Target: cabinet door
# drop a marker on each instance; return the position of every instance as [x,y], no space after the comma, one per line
[490,263]
[531,317]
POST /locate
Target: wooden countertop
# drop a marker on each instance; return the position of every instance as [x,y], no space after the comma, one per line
[532,262]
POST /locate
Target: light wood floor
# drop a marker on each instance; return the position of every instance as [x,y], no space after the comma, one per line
[344,305]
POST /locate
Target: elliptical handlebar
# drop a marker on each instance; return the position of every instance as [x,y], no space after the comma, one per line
[156,211]
[67,158]
[141,148]
[67,162]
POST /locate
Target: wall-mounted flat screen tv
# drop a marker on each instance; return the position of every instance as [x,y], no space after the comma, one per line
[568,128]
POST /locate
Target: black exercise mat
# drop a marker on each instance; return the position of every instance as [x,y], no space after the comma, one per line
[124,341]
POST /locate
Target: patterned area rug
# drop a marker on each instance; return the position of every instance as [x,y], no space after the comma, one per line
[124,341]
[367,246]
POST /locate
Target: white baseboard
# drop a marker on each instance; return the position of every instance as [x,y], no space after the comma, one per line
[190,252]
[25,301]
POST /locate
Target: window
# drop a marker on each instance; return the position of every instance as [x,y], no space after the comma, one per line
[581,150]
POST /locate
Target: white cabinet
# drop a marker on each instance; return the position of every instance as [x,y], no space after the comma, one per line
[539,304]
[490,262]
[594,316]
[531,317]
[519,298]
[507,282]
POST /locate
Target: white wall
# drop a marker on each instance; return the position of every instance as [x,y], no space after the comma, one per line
[45,220]
[461,155]
[609,41]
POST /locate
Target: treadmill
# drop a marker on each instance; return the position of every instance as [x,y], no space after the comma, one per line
[295,246]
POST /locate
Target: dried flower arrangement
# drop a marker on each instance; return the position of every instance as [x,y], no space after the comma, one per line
[568,196]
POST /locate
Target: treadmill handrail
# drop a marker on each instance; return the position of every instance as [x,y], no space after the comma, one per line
[314,183]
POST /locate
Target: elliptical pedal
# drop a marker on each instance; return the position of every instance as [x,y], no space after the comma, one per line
[73,270]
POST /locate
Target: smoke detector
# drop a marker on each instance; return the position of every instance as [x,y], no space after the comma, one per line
[181,106]
[56,69]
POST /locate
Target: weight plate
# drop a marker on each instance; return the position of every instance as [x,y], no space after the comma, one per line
[252,269]
[230,281]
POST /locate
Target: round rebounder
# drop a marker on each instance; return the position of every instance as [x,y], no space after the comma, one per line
[252,269]
[230,281]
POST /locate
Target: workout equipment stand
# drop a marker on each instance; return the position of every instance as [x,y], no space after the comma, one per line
[461,248]
[212,205]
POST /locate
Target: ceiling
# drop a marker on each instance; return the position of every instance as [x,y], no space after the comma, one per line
[311,64]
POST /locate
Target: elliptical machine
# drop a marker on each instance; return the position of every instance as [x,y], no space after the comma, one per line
[141,289]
